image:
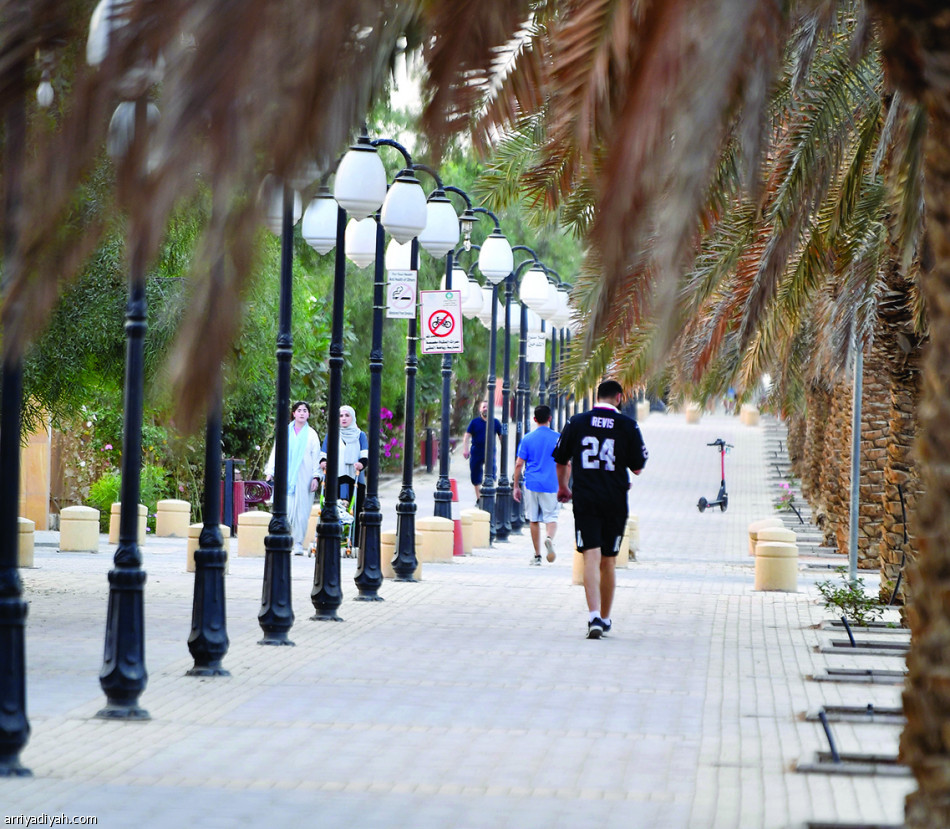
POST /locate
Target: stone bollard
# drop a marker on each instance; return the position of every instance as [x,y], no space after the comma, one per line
[387,552]
[762,524]
[633,537]
[310,539]
[435,539]
[252,530]
[194,532]
[481,528]
[749,414]
[173,519]
[643,410]
[468,533]
[577,568]
[25,542]
[694,413]
[776,561]
[79,530]
[114,523]
[622,555]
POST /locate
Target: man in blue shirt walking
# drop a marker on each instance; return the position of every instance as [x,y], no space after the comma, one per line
[536,460]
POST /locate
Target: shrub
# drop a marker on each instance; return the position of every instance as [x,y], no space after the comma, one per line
[851,599]
[107,491]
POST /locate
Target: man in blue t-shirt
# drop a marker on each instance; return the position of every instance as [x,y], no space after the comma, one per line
[535,457]
[473,446]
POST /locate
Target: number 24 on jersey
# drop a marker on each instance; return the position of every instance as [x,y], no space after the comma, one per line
[595,455]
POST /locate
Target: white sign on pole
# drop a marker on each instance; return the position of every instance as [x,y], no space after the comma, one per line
[441,322]
[401,295]
[535,346]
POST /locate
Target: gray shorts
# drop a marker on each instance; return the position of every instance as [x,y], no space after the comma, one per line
[540,507]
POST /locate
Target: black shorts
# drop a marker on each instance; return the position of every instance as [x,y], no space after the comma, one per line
[600,525]
[477,468]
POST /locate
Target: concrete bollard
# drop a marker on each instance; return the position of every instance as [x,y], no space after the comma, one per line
[79,530]
[173,518]
[435,539]
[577,568]
[310,540]
[114,523]
[194,532]
[749,414]
[622,555]
[694,412]
[387,552]
[762,524]
[481,529]
[468,533]
[776,561]
[25,542]
[633,537]
[252,530]
[643,410]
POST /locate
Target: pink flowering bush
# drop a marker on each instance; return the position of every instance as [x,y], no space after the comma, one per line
[392,444]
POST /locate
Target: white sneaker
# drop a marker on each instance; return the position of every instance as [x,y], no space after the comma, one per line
[549,546]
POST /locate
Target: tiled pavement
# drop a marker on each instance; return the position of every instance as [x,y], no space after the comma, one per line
[472,698]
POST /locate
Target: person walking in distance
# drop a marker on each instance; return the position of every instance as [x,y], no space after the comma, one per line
[303,457]
[536,460]
[599,446]
[473,446]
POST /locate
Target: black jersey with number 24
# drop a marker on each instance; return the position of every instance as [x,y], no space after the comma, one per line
[601,445]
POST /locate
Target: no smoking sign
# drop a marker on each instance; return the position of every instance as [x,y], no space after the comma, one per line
[442,322]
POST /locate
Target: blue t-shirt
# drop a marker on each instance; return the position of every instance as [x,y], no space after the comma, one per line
[536,449]
[477,430]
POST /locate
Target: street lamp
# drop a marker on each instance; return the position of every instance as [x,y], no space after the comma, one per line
[439,238]
[364,245]
[405,210]
[559,322]
[404,215]
[14,725]
[276,615]
[503,493]
[123,675]
[495,261]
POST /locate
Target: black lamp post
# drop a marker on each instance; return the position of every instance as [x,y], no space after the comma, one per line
[504,500]
[369,574]
[442,507]
[404,229]
[324,229]
[276,615]
[521,409]
[208,642]
[496,262]
[14,725]
[327,594]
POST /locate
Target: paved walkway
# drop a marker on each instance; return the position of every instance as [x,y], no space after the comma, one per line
[472,698]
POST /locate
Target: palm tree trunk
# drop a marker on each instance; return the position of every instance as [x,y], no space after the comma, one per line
[875,418]
[916,41]
[901,475]
[817,402]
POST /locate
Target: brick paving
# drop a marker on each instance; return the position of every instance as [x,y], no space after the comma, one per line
[471,698]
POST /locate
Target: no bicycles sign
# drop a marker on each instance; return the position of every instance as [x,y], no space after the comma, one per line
[441,322]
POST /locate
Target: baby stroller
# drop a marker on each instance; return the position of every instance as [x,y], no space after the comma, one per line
[345,510]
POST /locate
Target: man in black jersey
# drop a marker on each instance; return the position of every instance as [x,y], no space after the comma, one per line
[599,447]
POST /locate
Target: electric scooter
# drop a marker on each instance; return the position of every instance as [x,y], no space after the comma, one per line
[722,499]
